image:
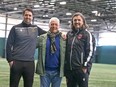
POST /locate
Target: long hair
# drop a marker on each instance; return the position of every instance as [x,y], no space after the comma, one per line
[82,16]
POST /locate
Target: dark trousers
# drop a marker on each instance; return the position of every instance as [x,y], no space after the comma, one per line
[76,78]
[24,69]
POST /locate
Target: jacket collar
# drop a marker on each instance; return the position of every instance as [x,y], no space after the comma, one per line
[25,24]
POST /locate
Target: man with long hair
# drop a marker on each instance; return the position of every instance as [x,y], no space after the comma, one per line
[79,51]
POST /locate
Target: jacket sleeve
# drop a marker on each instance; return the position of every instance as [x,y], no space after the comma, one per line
[41,31]
[10,43]
[89,48]
[39,40]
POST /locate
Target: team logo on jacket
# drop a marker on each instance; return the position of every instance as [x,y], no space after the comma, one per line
[33,29]
[21,30]
[79,36]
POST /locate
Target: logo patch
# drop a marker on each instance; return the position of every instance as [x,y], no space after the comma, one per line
[21,30]
[79,36]
[33,29]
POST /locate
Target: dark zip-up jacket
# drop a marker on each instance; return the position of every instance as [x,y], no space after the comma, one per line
[79,49]
[21,42]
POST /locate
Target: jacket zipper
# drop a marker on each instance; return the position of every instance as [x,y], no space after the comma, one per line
[71,49]
[82,58]
[28,31]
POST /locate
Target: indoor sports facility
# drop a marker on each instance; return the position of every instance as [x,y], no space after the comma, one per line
[100,16]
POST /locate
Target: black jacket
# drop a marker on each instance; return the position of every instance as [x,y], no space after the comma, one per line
[21,42]
[79,49]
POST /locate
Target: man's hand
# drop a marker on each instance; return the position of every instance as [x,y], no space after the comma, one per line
[10,64]
[84,70]
[64,35]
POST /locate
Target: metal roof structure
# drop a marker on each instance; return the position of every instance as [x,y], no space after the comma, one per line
[100,14]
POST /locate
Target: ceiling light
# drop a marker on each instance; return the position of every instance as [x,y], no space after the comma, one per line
[113,7]
[68,13]
[45,15]
[50,6]
[94,12]
[36,6]
[15,8]
[62,3]
[94,0]
[52,3]
[53,0]
[69,22]
[93,20]
[99,14]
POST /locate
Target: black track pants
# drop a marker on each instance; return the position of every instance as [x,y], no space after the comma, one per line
[24,69]
[76,78]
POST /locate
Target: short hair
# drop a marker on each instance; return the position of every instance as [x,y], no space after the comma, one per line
[82,16]
[54,18]
[28,9]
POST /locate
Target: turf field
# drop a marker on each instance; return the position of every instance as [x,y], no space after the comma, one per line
[102,75]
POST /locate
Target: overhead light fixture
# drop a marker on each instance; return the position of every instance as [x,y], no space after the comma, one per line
[99,14]
[63,3]
[40,2]
[113,7]
[68,13]
[94,0]
[50,6]
[36,6]
[45,16]
[69,22]
[53,0]
[52,3]
[15,8]
[93,20]
[95,12]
